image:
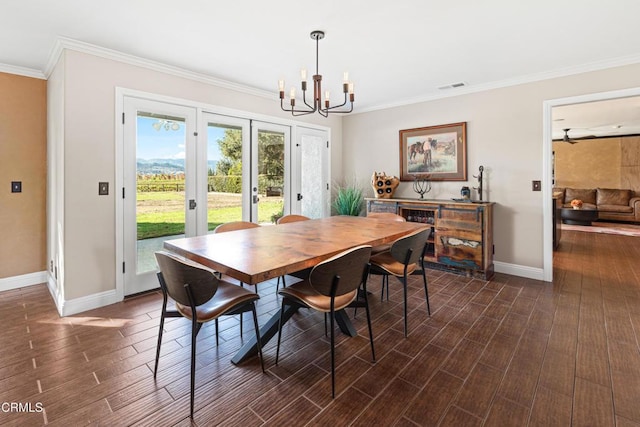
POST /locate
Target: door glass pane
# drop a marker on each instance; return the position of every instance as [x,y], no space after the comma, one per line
[224,176]
[312,180]
[160,180]
[270,176]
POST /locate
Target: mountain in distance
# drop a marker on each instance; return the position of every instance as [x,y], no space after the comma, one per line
[165,166]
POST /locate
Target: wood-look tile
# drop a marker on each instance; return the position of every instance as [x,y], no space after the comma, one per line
[550,409]
[431,404]
[482,330]
[593,404]
[506,413]
[499,351]
[592,363]
[558,371]
[564,352]
[626,394]
[424,365]
[456,417]
[297,413]
[463,358]
[478,390]
[393,399]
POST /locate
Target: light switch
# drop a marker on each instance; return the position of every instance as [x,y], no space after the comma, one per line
[16,186]
[103,188]
[536,186]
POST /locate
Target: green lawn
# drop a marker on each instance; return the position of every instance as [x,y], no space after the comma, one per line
[162,214]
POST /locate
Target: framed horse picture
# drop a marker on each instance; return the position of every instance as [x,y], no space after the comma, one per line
[440,151]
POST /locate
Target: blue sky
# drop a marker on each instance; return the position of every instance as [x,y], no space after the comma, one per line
[169,144]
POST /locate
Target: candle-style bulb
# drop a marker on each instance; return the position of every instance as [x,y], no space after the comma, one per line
[292,93]
[303,75]
[281,85]
[326,95]
[351,88]
[345,77]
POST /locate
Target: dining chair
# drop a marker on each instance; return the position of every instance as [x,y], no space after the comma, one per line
[402,260]
[233,226]
[285,220]
[292,218]
[332,285]
[199,296]
[387,216]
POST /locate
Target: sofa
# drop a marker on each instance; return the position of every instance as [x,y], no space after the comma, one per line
[612,204]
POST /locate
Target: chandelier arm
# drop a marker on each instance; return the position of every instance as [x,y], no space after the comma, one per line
[295,110]
[304,100]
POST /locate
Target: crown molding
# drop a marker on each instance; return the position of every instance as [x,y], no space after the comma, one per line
[63,43]
[530,78]
[22,71]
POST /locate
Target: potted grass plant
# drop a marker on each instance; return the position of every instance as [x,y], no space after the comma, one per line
[349,199]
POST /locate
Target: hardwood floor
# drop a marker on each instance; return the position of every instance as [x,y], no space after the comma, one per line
[510,352]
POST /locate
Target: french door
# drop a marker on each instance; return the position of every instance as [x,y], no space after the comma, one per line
[159,192]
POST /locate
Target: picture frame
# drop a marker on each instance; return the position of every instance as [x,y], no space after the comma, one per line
[437,151]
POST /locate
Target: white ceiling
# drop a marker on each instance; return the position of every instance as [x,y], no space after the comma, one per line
[396,52]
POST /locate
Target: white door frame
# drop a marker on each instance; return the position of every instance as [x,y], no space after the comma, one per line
[547,152]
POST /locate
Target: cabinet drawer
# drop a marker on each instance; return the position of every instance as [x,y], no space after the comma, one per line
[460,219]
[457,248]
[381,207]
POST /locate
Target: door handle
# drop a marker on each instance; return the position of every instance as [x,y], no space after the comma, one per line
[192,204]
[256,199]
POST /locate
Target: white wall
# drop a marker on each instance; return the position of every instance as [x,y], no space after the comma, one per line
[504,134]
[89,150]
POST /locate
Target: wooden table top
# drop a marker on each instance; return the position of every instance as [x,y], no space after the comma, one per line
[258,254]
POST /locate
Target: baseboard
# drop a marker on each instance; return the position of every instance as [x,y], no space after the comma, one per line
[78,305]
[519,270]
[24,280]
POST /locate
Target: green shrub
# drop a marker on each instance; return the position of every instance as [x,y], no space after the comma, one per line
[349,200]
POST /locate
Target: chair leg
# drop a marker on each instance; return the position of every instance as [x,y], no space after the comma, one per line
[242,286]
[366,307]
[280,330]
[257,328]
[217,334]
[404,285]
[194,332]
[333,356]
[155,369]
[426,291]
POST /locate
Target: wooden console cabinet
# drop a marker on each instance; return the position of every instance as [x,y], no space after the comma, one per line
[462,233]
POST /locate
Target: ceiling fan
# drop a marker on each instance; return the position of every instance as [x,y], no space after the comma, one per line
[566,137]
[574,140]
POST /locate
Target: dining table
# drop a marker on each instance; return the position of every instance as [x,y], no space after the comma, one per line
[259,254]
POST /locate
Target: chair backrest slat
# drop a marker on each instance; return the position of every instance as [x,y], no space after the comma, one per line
[179,272]
[292,218]
[414,242]
[235,225]
[390,216]
[349,266]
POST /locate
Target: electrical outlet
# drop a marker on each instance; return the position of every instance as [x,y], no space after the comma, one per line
[16,186]
[103,188]
[536,186]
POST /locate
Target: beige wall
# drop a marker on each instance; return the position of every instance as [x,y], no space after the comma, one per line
[89,155]
[23,158]
[504,134]
[604,163]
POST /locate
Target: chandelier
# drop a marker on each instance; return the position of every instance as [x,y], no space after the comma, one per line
[347,89]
